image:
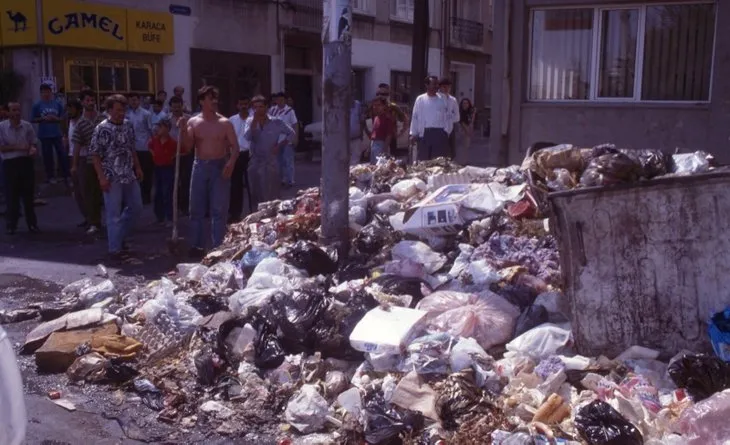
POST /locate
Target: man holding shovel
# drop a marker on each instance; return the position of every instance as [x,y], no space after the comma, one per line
[213,138]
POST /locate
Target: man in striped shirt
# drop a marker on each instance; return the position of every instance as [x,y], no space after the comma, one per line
[83,131]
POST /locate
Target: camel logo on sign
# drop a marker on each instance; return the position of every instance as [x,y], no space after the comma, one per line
[80,20]
[20,21]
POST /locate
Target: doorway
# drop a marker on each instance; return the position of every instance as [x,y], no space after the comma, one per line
[300,88]
[463,73]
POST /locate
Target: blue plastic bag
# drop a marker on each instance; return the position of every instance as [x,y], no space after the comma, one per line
[719,330]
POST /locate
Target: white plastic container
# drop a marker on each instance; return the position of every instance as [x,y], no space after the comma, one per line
[382,331]
[12,403]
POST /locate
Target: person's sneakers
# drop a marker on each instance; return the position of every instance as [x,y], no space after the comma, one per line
[196,253]
[34,229]
[93,230]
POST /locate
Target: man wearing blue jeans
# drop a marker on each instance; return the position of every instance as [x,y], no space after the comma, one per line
[212,135]
[119,173]
[47,114]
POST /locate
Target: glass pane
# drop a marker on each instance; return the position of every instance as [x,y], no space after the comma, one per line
[562,41]
[81,76]
[140,79]
[112,76]
[400,87]
[618,53]
[678,46]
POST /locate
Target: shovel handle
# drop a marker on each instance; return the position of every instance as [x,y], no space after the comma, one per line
[175,188]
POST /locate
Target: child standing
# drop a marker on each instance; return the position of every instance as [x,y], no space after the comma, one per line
[383,130]
[164,150]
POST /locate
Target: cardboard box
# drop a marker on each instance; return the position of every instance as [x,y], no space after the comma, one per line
[386,331]
[438,213]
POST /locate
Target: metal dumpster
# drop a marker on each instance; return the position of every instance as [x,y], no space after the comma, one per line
[645,264]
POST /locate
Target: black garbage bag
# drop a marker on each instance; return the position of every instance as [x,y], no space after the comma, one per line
[295,314]
[331,333]
[531,317]
[357,269]
[309,257]
[269,352]
[374,236]
[386,422]
[461,400]
[599,424]
[519,294]
[701,375]
[118,371]
[398,285]
[611,168]
[653,162]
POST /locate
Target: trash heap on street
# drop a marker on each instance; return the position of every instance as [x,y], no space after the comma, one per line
[446,324]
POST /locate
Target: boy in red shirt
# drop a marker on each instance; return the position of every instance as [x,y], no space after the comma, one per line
[383,130]
[164,150]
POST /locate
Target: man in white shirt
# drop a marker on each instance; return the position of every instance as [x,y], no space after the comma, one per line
[17,149]
[453,112]
[239,178]
[286,156]
[141,121]
[431,122]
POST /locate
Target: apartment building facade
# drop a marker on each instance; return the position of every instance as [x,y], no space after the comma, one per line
[244,47]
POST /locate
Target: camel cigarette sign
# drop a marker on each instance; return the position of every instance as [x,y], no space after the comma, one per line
[18,24]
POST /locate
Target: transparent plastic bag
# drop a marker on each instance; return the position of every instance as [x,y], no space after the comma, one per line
[541,342]
[487,317]
[706,422]
[13,418]
[307,410]
[464,352]
[420,253]
[408,188]
[220,277]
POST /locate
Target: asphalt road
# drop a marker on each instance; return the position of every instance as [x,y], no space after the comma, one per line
[35,267]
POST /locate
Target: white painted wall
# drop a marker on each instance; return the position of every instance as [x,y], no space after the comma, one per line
[27,63]
[383,57]
[176,67]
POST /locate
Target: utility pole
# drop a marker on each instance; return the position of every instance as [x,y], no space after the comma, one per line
[337,103]
[419,48]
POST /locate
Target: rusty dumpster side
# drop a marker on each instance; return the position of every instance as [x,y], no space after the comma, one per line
[645,264]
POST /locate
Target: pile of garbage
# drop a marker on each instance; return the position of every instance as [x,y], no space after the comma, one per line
[566,167]
[447,323]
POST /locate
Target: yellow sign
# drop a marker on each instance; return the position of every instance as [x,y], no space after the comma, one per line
[84,25]
[150,32]
[18,24]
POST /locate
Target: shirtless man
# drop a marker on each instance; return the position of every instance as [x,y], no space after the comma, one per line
[216,148]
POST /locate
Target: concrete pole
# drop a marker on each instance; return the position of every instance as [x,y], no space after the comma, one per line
[337,103]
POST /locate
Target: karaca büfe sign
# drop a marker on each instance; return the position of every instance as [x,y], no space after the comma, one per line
[91,25]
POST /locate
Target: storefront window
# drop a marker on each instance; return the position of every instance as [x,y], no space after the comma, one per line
[140,77]
[109,76]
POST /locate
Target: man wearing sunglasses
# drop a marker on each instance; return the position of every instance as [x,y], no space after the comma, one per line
[396,114]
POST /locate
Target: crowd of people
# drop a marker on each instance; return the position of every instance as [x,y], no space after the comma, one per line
[121,156]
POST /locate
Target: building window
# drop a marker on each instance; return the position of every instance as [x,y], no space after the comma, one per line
[402,10]
[468,9]
[358,84]
[400,87]
[107,77]
[627,53]
[364,6]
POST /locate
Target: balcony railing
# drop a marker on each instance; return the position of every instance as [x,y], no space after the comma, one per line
[306,15]
[466,32]
[364,7]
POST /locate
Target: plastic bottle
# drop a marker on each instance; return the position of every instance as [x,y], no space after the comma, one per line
[12,404]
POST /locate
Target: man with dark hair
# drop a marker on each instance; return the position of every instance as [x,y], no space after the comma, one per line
[282,111]
[430,122]
[264,133]
[239,179]
[397,115]
[47,114]
[213,138]
[186,158]
[178,92]
[17,148]
[453,112]
[119,172]
[141,121]
[157,114]
[81,139]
